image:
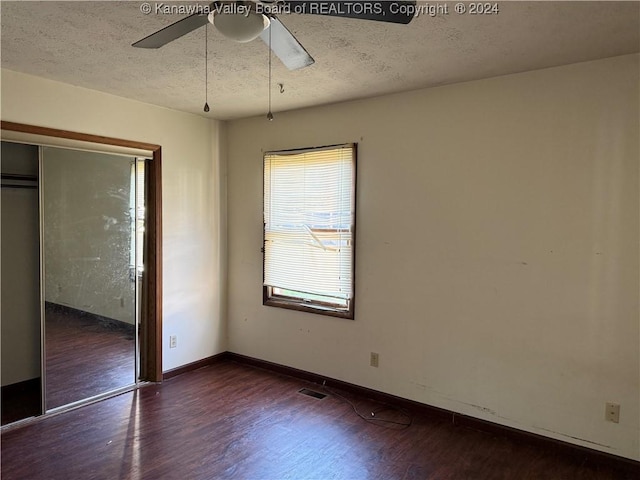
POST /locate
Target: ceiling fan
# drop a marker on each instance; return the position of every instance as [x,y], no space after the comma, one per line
[244,21]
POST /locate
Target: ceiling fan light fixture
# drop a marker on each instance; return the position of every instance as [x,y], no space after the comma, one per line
[241,27]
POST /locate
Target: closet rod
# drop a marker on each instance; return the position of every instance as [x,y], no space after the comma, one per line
[12,180]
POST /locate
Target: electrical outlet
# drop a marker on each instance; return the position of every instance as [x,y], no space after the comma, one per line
[374,359]
[612,412]
[173,341]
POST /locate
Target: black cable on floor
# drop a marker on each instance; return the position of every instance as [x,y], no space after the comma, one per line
[372,418]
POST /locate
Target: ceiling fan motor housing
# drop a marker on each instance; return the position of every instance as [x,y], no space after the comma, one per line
[238,21]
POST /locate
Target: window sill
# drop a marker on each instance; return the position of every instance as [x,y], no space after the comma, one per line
[309,308]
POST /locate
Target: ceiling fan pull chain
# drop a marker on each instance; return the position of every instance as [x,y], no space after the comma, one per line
[269,114]
[206,68]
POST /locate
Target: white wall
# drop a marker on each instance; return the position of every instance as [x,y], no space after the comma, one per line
[497,249]
[193,205]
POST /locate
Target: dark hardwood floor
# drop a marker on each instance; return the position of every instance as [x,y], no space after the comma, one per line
[86,355]
[234,421]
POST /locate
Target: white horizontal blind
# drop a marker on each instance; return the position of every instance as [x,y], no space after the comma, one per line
[137,212]
[140,217]
[309,218]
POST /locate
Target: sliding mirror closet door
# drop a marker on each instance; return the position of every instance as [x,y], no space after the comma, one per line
[91,268]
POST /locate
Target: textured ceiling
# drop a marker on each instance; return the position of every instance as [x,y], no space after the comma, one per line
[89,44]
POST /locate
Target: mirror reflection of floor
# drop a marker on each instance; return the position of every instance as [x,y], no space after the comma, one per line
[86,355]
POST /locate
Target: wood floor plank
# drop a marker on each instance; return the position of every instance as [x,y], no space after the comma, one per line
[231,421]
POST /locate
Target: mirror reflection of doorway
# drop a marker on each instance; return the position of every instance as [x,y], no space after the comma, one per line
[91,246]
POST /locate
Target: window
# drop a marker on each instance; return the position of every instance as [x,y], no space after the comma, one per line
[137,212]
[309,229]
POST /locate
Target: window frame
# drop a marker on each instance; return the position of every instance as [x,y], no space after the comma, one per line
[307,305]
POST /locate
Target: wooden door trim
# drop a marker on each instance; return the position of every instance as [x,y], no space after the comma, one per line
[151,345]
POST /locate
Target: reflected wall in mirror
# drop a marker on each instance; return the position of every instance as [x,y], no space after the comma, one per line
[91,271]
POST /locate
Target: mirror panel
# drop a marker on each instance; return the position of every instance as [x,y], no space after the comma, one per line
[90,273]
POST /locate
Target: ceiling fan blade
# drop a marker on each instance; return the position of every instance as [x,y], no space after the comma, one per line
[380,11]
[286,46]
[173,31]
